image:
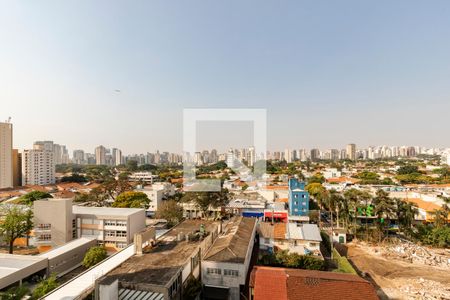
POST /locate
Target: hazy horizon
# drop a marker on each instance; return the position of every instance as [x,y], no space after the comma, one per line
[89,73]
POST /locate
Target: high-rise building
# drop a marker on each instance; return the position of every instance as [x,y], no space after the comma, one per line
[251,156]
[6,155]
[116,157]
[100,155]
[38,167]
[351,151]
[78,157]
[315,154]
[230,158]
[17,168]
[44,145]
[288,155]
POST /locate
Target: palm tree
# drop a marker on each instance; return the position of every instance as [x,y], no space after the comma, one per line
[384,209]
[406,212]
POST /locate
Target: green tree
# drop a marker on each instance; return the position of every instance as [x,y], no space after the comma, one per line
[15,293]
[16,222]
[205,200]
[170,211]
[94,255]
[384,210]
[319,194]
[132,199]
[45,286]
[29,198]
[406,212]
[409,169]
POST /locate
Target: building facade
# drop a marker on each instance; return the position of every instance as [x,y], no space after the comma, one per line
[6,155]
[298,198]
[38,167]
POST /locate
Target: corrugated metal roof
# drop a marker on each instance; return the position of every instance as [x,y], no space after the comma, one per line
[126,294]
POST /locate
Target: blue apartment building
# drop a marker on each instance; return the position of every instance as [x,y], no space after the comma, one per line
[298,198]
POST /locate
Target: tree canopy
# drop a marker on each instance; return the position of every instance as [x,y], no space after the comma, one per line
[16,223]
[94,255]
[132,199]
[171,211]
[29,198]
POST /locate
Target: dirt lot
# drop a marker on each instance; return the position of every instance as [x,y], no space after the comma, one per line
[397,279]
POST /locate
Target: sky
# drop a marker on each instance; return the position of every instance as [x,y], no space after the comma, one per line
[120,73]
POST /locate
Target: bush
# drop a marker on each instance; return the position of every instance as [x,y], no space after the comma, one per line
[15,293]
[45,286]
[94,255]
[292,260]
[434,236]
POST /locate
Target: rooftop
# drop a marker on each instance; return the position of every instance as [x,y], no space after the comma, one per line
[287,284]
[232,246]
[66,247]
[11,263]
[309,232]
[105,211]
[159,264]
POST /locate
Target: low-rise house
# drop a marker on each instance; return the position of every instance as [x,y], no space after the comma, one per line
[293,284]
[247,208]
[226,264]
[303,239]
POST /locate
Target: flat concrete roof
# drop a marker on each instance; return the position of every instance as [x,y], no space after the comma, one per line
[10,263]
[16,267]
[105,211]
[159,264]
[66,247]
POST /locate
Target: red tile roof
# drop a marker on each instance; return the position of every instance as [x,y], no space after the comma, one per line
[292,284]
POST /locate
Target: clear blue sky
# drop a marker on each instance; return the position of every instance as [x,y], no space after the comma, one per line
[328,72]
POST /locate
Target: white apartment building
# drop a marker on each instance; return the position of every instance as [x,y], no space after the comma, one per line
[351,151]
[117,157]
[100,155]
[38,167]
[6,155]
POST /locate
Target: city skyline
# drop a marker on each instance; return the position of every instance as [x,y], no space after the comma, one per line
[124,77]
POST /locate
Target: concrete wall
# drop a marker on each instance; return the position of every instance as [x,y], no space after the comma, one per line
[109,292]
[69,260]
[136,223]
[58,213]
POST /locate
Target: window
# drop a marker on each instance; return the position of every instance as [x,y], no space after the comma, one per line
[121,233]
[110,233]
[45,237]
[173,288]
[86,221]
[266,241]
[195,261]
[87,232]
[234,273]
[44,226]
[121,245]
[110,222]
[121,223]
[214,271]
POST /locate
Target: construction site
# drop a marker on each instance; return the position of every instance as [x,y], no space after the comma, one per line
[403,270]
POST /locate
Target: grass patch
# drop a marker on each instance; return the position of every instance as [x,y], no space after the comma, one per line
[344,265]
